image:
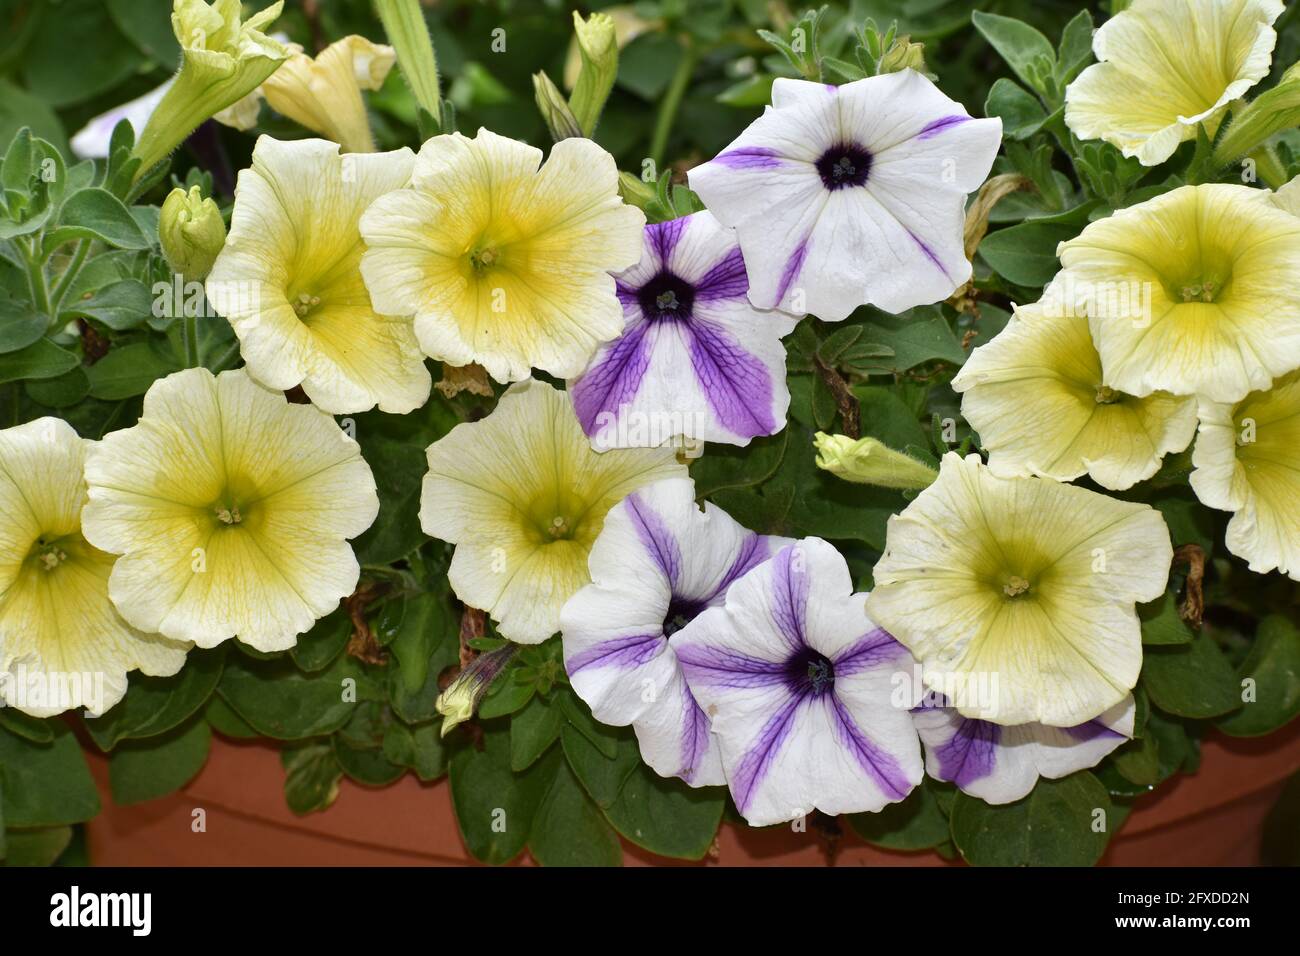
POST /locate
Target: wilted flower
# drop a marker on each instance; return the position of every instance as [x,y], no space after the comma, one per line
[191,231]
[461,698]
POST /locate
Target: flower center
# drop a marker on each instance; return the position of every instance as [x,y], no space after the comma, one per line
[559,527]
[1107,395]
[49,555]
[681,611]
[305,303]
[484,258]
[809,672]
[666,296]
[1015,586]
[843,165]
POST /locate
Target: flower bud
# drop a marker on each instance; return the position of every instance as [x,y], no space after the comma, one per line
[191,231]
[560,121]
[868,461]
[598,47]
[460,700]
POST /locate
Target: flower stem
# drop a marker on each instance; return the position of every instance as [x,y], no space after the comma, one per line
[407,31]
[70,273]
[190,339]
[36,278]
[672,100]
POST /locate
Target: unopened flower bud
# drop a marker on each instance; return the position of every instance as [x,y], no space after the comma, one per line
[869,461]
[191,231]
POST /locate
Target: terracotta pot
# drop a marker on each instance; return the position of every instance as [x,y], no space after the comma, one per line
[1211,818]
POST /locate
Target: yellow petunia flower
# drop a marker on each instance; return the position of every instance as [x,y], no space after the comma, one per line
[500,262]
[1192,292]
[62,645]
[1016,595]
[231,509]
[1166,66]
[289,279]
[522,496]
[1035,395]
[1247,461]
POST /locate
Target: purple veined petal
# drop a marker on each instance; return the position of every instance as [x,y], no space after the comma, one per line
[718,667]
[614,378]
[971,753]
[793,266]
[662,238]
[874,648]
[627,296]
[928,253]
[658,541]
[736,385]
[753,552]
[750,157]
[726,279]
[695,735]
[940,125]
[625,653]
[1091,730]
[788,599]
[878,763]
[756,763]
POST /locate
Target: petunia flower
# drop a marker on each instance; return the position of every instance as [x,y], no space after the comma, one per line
[523,497]
[62,645]
[289,279]
[1247,461]
[1189,292]
[658,564]
[1016,595]
[500,262]
[1166,66]
[1001,764]
[323,93]
[1036,396]
[803,691]
[854,194]
[223,58]
[231,509]
[695,359]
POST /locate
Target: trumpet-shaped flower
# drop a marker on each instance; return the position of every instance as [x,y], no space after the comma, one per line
[1166,66]
[1001,764]
[523,497]
[289,279]
[1017,595]
[852,195]
[1035,395]
[803,691]
[1247,461]
[1190,293]
[659,562]
[230,508]
[223,58]
[62,645]
[500,262]
[696,359]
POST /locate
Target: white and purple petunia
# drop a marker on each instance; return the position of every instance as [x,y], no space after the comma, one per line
[843,196]
[1001,764]
[658,562]
[695,357]
[810,702]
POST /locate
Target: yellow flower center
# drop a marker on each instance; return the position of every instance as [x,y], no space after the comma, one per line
[304,303]
[48,552]
[484,258]
[1203,291]
[229,515]
[1107,395]
[1015,586]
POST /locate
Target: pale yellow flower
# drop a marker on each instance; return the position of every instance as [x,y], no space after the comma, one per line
[1247,461]
[62,645]
[231,509]
[1036,396]
[1166,66]
[1017,595]
[522,496]
[1192,292]
[500,262]
[289,279]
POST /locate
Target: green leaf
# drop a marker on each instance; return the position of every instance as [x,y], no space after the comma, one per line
[152,34]
[754,90]
[921,335]
[35,729]
[399,468]
[1076,48]
[1026,51]
[506,696]
[140,770]
[602,776]
[569,830]
[322,645]
[1026,254]
[667,816]
[18,109]
[1190,680]
[1021,113]
[312,775]
[125,304]
[366,765]
[425,645]
[647,64]
[20,324]
[1139,761]
[1273,664]
[603,738]
[97,214]
[38,847]
[1161,623]
[421,748]
[44,785]
[128,370]
[533,730]
[61,391]
[81,29]
[280,701]
[41,359]
[155,705]
[226,722]
[917,822]
[1055,825]
[494,806]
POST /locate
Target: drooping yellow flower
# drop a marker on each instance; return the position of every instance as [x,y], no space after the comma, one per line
[1166,66]
[223,59]
[1017,595]
[62,645]
[323,94]
[1192,292]
[500,262]
[231,509]
[289,279]
[1247,461]
[1035,395]
[522,496]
